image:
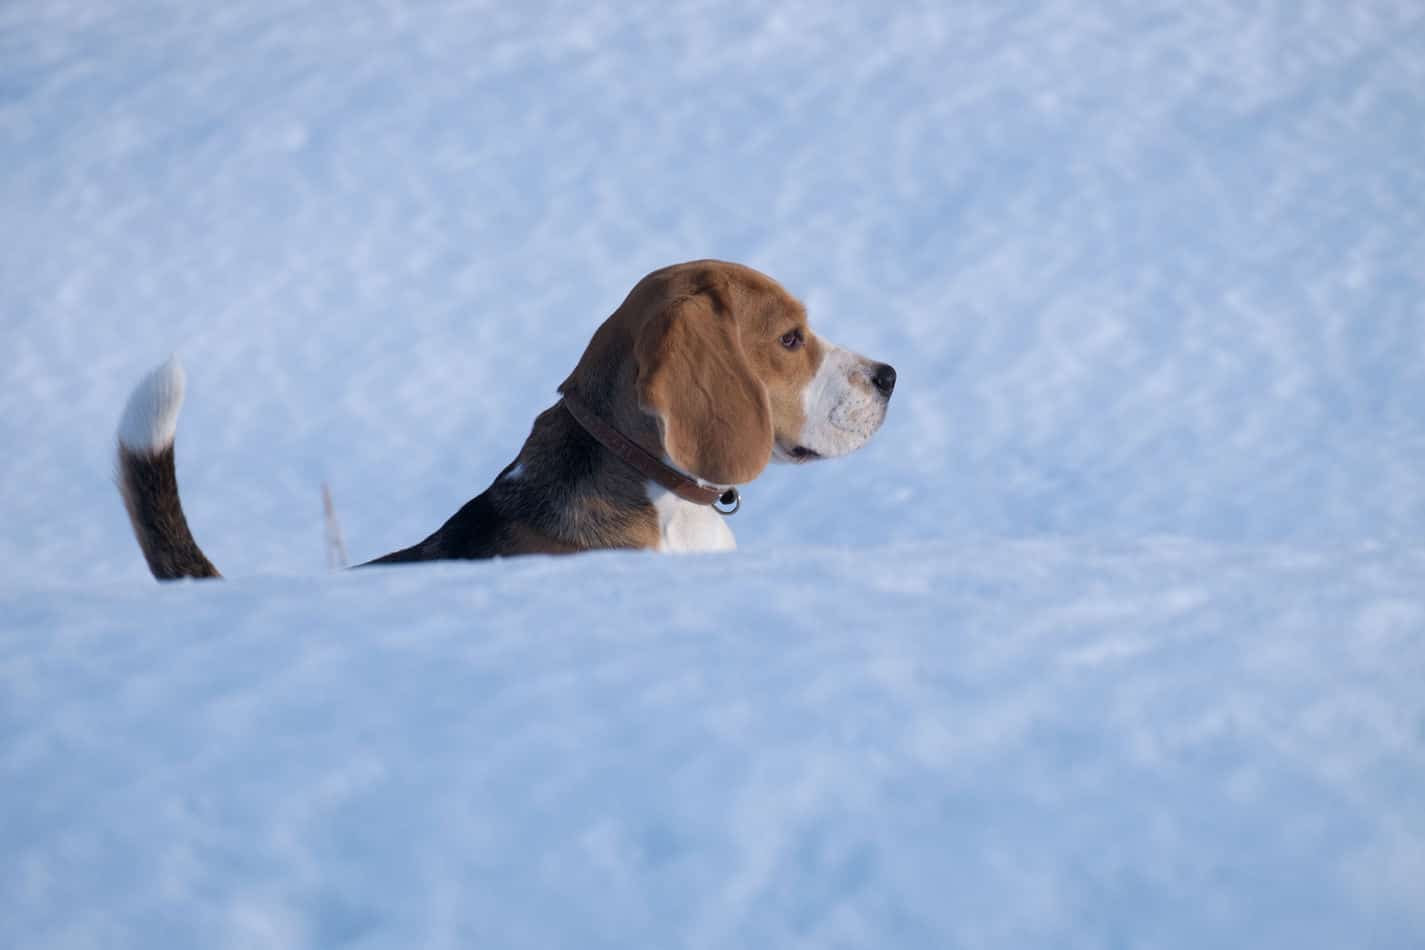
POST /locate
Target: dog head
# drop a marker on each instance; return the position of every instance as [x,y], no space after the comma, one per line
[713,366]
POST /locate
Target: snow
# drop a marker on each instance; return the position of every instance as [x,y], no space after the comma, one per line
[1012,744]
[1112,636]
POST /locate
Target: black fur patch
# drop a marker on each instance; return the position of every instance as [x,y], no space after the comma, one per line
[149,485]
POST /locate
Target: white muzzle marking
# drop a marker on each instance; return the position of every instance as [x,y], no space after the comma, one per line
[843,408]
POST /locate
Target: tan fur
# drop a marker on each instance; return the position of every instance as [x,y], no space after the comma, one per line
[689,367]
[713,412]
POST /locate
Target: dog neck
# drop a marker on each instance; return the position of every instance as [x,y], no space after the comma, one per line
[642,461]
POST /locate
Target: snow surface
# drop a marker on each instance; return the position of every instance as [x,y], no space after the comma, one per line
[1051,744]
[1143,268]
[1112,636]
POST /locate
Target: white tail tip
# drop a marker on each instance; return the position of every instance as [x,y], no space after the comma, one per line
[151,416]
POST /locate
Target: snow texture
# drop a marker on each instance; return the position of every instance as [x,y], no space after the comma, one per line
[1012,744]
[1112,636]
[1143,268]
[151,415]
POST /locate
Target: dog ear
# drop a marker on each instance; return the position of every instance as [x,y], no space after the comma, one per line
[693,376]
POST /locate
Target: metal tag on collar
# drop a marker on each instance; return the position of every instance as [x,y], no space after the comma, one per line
[728,502]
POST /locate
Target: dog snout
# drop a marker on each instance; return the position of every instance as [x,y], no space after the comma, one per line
[883,377]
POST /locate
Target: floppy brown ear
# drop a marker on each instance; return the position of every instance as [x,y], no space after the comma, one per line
[714,413]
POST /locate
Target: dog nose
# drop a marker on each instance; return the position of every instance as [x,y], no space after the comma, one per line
[884,378]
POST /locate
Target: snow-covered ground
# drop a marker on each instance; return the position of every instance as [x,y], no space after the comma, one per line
[1049,744]
[1113,636]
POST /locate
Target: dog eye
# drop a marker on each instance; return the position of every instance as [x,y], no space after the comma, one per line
[792,339]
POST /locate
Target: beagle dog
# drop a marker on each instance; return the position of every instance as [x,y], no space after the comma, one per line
[703,375]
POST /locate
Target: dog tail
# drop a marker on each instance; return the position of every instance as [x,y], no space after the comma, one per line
[147,479]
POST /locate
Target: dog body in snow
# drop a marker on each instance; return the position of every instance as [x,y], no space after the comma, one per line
[705,373]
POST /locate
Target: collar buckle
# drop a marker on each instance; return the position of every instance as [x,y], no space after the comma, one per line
[728,502]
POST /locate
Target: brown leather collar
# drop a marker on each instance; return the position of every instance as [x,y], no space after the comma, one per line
[639,458]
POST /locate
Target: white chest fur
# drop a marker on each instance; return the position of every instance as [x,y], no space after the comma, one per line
[684,526]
